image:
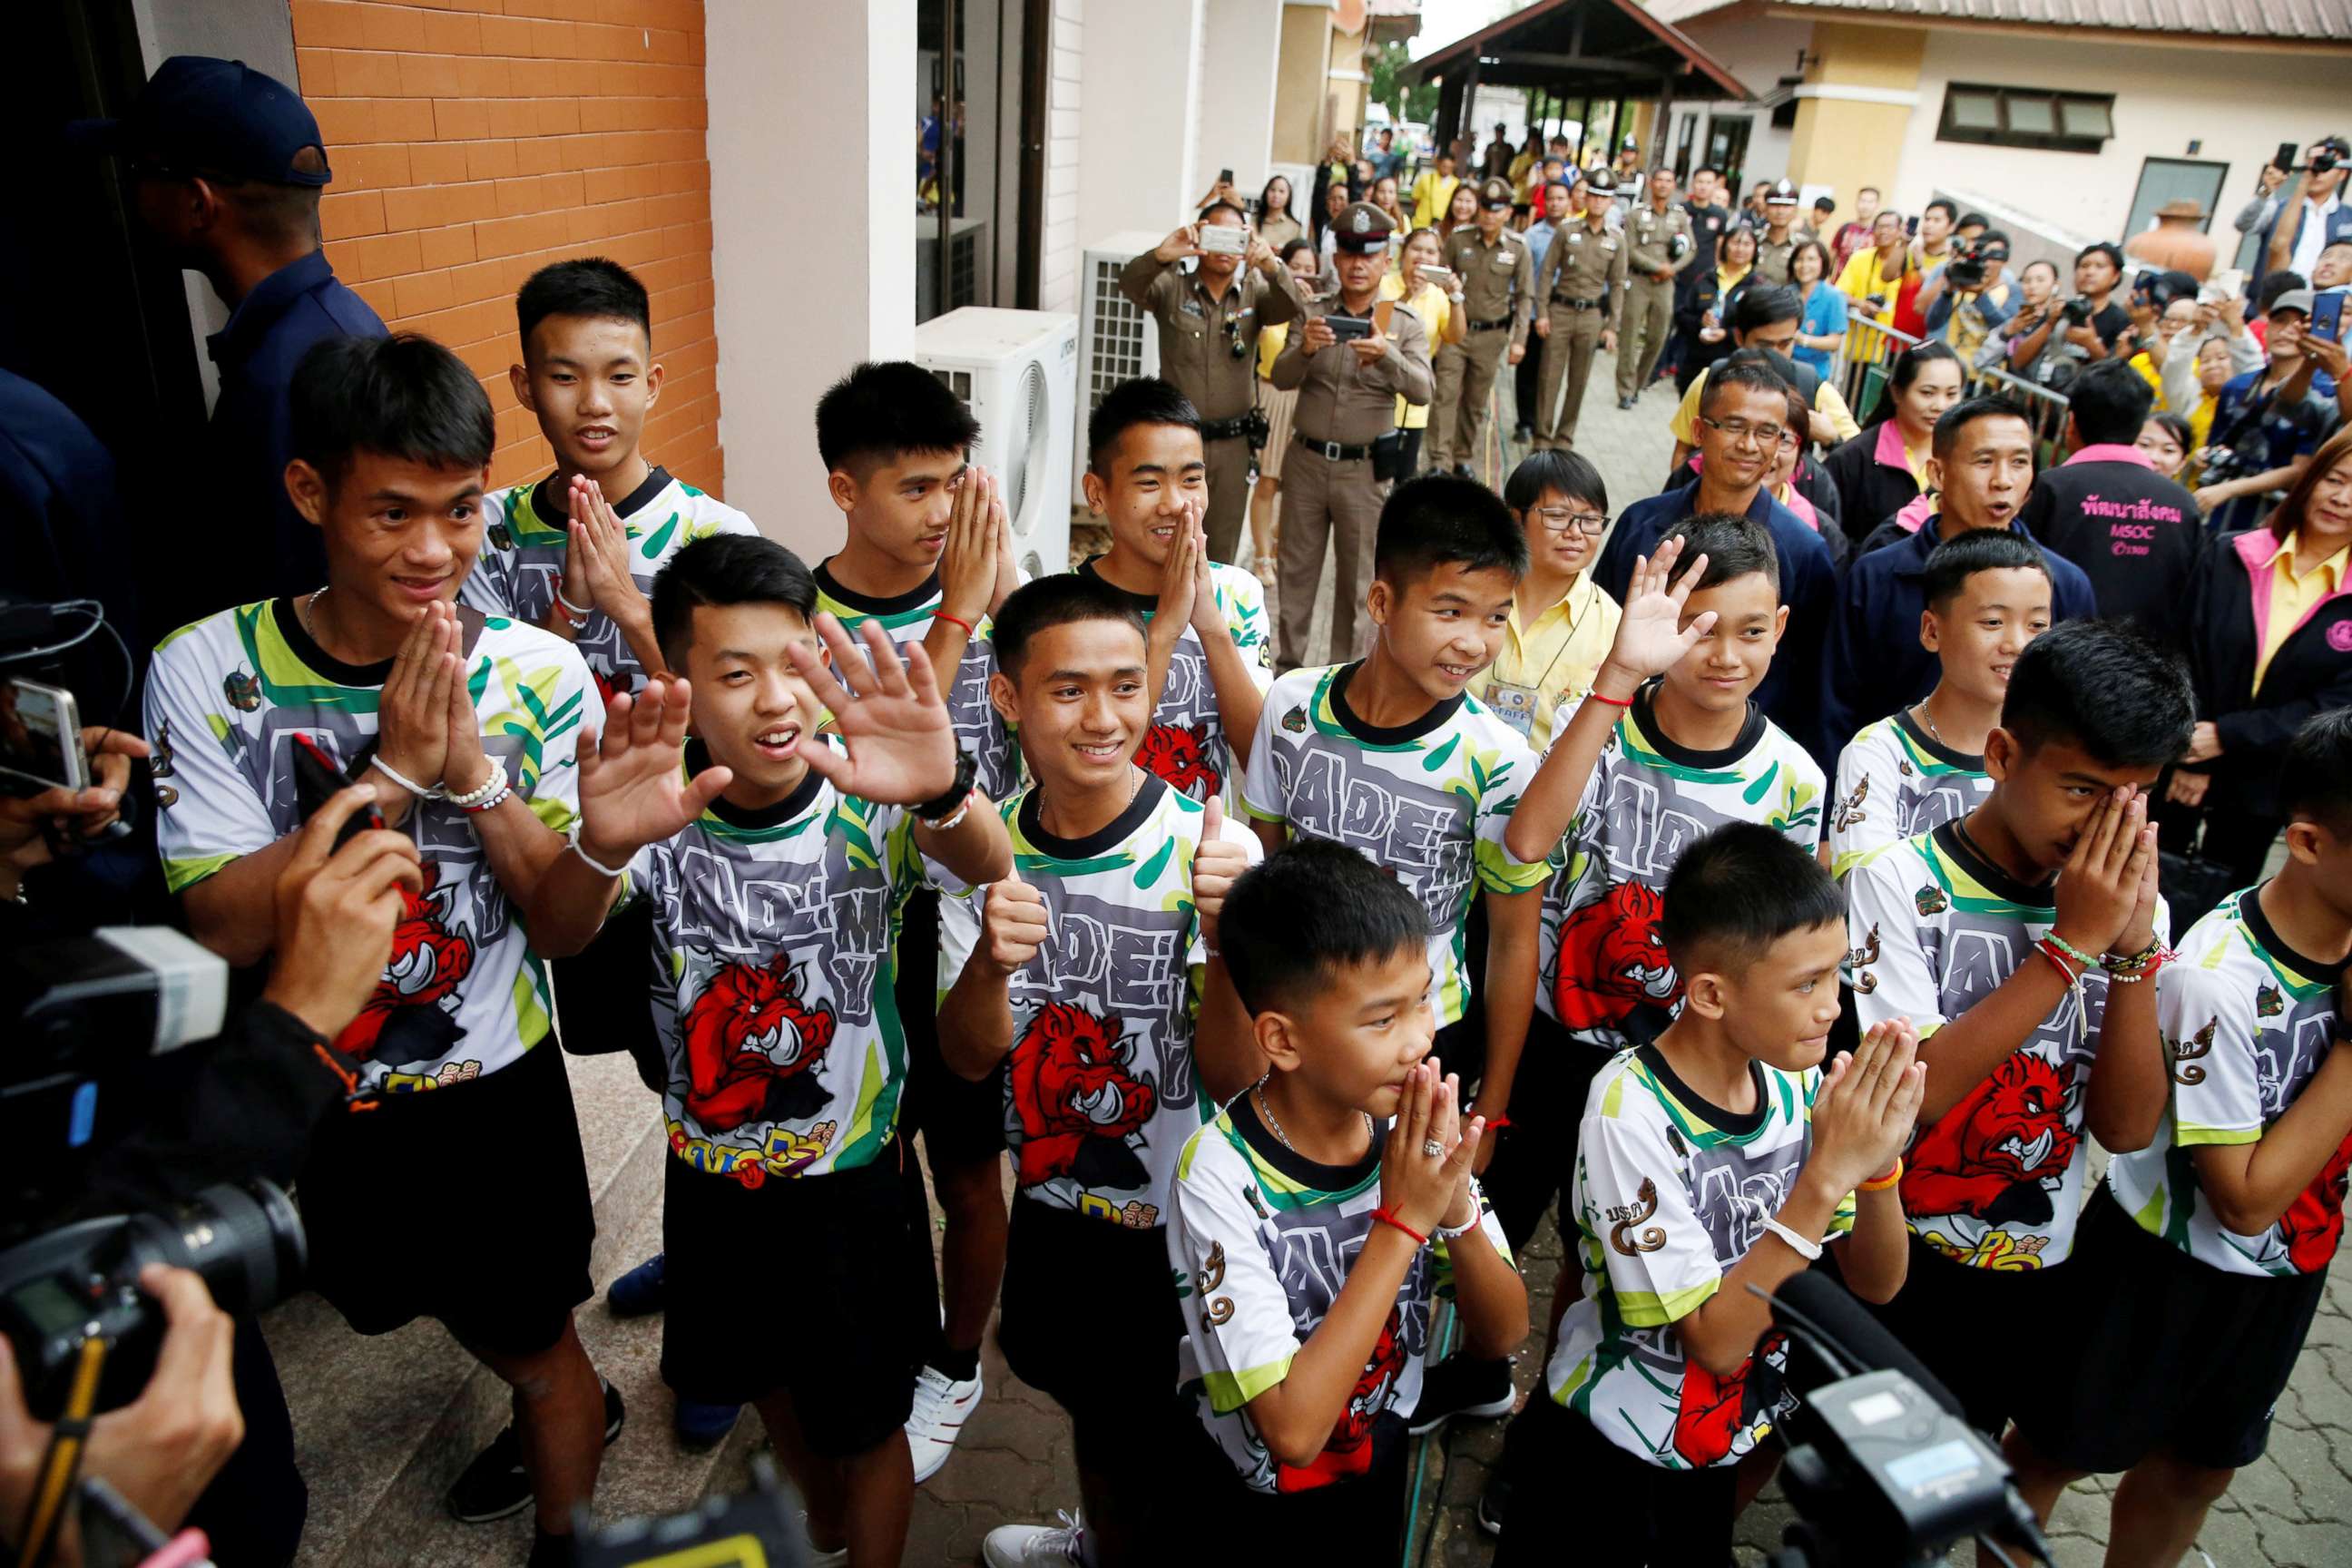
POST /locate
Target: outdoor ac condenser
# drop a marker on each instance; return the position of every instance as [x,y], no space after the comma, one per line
[1116,341]
[1017,372]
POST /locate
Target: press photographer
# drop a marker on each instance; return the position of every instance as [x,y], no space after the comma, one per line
[1967,299]
[2079,330]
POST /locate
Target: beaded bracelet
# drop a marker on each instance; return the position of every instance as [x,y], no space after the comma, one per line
[2081,960]
[1384,1217]
[498,798]
[487,790]
[577,615]
[2154,956]
[2055,951]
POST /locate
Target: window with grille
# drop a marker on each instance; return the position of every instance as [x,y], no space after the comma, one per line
[2027,117]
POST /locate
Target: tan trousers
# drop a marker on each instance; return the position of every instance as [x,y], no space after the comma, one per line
[1229,493]
[1567,366]
[1649,321]
[1466,382]
[1325,505]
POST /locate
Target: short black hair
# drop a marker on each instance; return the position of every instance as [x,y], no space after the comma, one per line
[2109,249]
[726,569]
[1739,889]
[2274,284]
[1951,209]
[1704,168]
[2104,687]
[588,286]
[1969,410]
[1139,400]
[1967,218]
[884,408]
[1220,205]
[1991,237]
[1762,307]
[1310,910]
[402,396]
[1951,564]
[1293,248]
[1733,545]
[1570,474]
[2315,781]
[2108,402]
[2176,426]
[1757,375]
[1442,519]
[1825,203]
[1058,599]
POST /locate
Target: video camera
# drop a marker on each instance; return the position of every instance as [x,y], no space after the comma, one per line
[1883,1470]
[1966,269]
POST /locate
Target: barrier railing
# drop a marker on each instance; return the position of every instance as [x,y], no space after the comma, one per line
[1866,363]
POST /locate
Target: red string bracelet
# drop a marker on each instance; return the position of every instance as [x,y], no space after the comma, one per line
[1384,1217]
[2066,971]
[954,621]
[1612,701]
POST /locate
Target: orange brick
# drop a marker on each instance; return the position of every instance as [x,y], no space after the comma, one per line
[539,154]
[450,248]
[347,213]
[450,33]
[476,281]
[559,117]
[343,120]
[377,164]
[513,117]
[328,24]
[598,113]
[389,254]
[428,76]
[342,255]
[402,119]
[551,41]
[460,119]
[505,36]
[489,160]
[394,27]
[314,72]
[422,291]
[437,162]
[359,74]
[500,237]
[484,78]
[381,298]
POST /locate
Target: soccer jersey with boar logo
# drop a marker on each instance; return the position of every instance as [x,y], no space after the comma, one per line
[1894,780]
[1187,744]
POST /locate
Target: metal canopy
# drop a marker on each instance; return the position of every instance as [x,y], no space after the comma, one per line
[1580,46]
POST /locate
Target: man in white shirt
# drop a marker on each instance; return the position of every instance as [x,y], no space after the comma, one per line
[2313,211]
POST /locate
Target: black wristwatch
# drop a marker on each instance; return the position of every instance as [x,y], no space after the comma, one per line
[937,812]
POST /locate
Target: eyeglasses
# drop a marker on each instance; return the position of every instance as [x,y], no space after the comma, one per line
[1559,520]
[1741,433]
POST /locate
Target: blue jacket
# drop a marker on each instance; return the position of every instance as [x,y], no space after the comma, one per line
[1873,663]
[1788,693]
[250,440]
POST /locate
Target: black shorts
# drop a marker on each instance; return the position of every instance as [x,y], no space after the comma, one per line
[1534,1156]
[467,1204]
[1572,1486]
[1359,1521]
[961,1122]
[1945,1310]
[603,995]
[797,1286]
[1070,1279]
[2170,1353]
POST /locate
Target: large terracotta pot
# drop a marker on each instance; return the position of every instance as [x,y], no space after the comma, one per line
[2176,243]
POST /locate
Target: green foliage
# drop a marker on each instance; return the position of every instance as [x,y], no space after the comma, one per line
[1386,67]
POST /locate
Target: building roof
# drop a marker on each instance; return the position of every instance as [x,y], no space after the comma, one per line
[2326,20]
[1586,44]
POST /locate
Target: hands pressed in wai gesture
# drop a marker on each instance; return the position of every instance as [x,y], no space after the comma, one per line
[1424,1189]
[1867,1107]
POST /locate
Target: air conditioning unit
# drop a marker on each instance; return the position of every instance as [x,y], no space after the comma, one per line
[1116,341]
[1017,372]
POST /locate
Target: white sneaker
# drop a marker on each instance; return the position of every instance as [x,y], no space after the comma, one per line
[1035,1545]
[942,1406]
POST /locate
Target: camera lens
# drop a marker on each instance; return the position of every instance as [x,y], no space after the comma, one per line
[246,1243]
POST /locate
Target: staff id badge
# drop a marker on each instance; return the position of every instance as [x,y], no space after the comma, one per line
[1514,705]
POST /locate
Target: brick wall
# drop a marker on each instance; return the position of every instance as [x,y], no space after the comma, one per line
[475,140]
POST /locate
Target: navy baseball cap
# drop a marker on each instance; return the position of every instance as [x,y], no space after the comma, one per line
[216,116]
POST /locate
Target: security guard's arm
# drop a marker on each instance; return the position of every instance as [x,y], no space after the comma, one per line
[1523,298]
[1284,298]
[1289,371]
[1616,298]
[1403,369]
[1149,282]
[1546,279]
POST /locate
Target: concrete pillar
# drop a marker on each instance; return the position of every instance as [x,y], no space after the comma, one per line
[1854,107]
[842,143]
[1241,59]
[1135,137]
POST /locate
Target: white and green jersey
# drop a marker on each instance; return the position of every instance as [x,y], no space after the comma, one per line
[462,995]
[907,619]
[775,937]
[1427,801]
[1894,780]
[1100,1093]
[2246,1020]
[1599,956]
[1262,1239]
[525,532]
[1187,743]
[1670,1194]
[1997,1182]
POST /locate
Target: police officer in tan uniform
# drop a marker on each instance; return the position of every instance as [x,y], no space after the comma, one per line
[1497,274]
[1347,401]
[1583,289]
[1776,240]
[1209,321]
[1659,233]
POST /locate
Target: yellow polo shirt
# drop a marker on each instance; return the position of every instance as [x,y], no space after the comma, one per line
[1431,305]
[1557,653]
[2291,598]
[1432,193]
[1862,278]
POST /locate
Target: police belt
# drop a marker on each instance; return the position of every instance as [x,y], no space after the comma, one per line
[1224,429]
[1575,304]
[1499,323]
[1334,451]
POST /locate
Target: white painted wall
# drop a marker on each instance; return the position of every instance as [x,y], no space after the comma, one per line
[1134,157]
[776,355]
[1759,50]
[2240,104]
[1057,268]
[1241,46]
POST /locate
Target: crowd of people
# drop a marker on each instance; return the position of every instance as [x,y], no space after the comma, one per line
[1768,872]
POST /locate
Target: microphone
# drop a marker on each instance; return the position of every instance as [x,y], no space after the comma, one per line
[1814,1301]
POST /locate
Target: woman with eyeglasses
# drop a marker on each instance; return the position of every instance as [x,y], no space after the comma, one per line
[1561,621]
[1440,311]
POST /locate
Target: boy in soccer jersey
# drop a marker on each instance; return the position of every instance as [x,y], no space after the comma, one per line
[1318,1216]
[1093,981]
[1392,756]
[1716,1158]
[1988,597]
[776,926]
[1997,933]
[1210,661]
[2213,1245]
[468,726]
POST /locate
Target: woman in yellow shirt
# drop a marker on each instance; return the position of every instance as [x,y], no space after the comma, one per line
[1877,273]
[1563,622]
[1440,317]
